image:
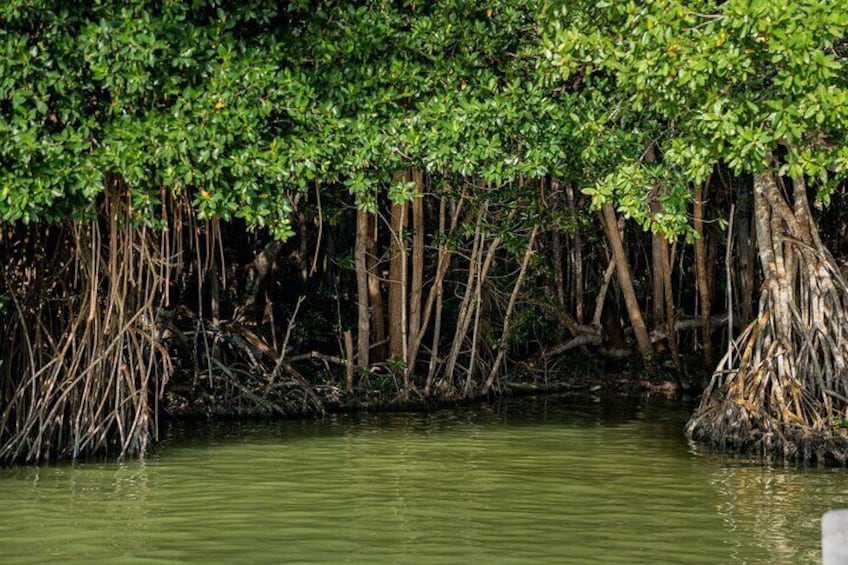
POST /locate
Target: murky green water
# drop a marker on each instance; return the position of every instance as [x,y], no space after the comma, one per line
[533,481]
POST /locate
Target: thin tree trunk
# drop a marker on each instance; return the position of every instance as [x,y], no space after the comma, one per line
[214,289]
[416,291]
[747,254]
[482,273]
[603,320]
[375,294]
[437,333]
[303,246]
[361,267]
[435,295]
[577,255]
[626,283]
[463,318]
[658,250]
[701,273]
[559,276]
[658,242]
[728,269]
[349,365]
[475,329]
[669,308]
[602,294]
[397,284]
[493,374]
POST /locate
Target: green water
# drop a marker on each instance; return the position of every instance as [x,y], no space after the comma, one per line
[551,480]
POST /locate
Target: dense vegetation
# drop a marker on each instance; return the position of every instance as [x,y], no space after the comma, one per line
[255,208]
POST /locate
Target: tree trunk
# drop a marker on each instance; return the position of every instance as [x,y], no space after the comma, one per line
[611,324]
[602,294]
[464,317]
[361,267]
[784,386]
[626,283]
[576,256]
[559,275]
[671,331]
[375,294]
[493,374]
[262,265]
[701,274]
[214,288]
[303,246]
[349,366]
[658,242]
[436,294]
[475,332]
[747,254]
[658,245]
[397,284]
[417,268]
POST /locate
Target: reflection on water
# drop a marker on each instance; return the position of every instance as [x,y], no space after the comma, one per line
[777,510]
[551,480]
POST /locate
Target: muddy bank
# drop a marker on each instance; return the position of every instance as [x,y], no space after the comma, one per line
[308,400]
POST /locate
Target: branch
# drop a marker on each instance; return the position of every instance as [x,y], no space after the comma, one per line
[317,355]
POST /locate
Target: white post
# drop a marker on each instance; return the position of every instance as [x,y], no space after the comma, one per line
[835,537]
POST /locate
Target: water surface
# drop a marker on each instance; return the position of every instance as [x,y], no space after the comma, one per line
[550,480]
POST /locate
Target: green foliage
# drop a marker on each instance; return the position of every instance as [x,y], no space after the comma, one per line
[160,95]
[701,83]
[244,106]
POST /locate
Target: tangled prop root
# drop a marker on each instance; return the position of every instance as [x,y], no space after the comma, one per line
[783,385]
[83,368]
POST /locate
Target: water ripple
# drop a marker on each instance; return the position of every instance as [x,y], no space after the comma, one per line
[533,481]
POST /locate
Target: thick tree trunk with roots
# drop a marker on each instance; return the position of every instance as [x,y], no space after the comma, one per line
[783,386]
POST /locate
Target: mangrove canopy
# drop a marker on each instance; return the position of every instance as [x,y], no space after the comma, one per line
[275,208]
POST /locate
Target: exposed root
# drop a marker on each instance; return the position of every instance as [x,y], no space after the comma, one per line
[84,367]
[783,385]
[236,371]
